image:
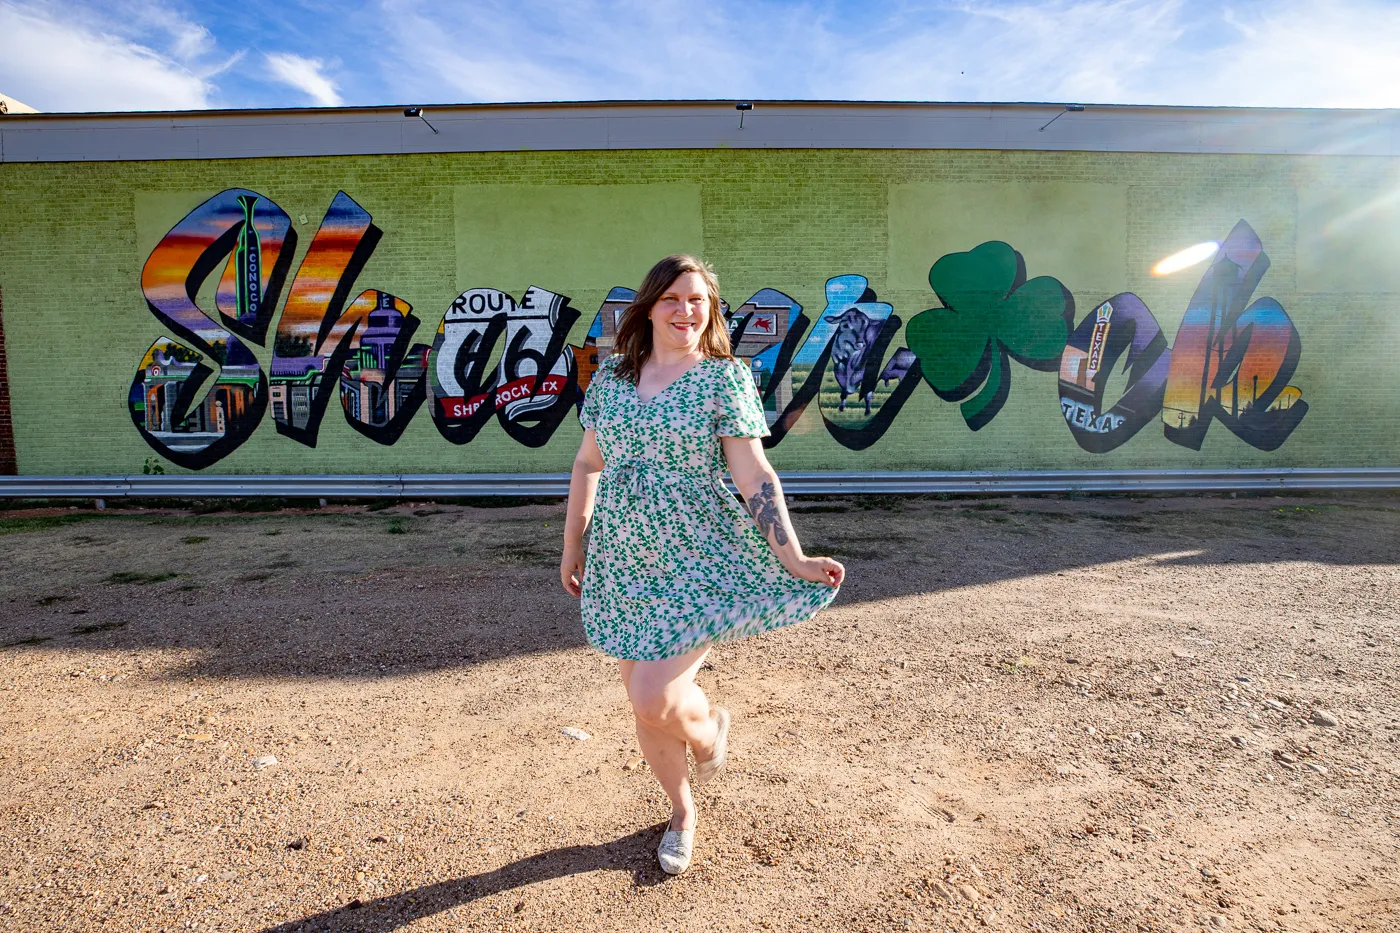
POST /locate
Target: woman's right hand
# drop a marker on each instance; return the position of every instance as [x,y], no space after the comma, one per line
[571,570]
[826,570]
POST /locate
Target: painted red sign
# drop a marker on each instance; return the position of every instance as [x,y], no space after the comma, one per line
[461,407]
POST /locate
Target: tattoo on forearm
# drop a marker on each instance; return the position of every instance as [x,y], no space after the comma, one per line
[763,506]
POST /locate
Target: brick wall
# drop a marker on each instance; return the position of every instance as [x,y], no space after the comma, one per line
[73,238]
[8,467]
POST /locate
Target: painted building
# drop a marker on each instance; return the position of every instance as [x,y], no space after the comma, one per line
[914,287]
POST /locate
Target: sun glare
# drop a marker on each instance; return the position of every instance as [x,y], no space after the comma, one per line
[1187,258]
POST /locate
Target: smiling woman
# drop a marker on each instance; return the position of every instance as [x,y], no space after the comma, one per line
[678,290]
[673,563]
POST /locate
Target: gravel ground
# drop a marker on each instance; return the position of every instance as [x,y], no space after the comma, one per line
[1021,713]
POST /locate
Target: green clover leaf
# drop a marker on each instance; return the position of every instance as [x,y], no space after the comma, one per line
[990,316]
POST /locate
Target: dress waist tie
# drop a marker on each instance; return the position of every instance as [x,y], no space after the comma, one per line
[641,478]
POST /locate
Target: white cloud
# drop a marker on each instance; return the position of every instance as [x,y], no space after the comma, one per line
[1083,49]
[1336,54]
[65,64]
[1295,53]
[185,41]
[146,54]
[589,49]
[305,74]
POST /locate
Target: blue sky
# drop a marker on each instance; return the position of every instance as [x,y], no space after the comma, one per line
[78,55]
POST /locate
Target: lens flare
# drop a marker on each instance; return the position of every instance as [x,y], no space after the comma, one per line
[1187,258]
[1380,205]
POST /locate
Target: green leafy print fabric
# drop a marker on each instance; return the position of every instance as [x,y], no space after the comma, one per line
[674,562]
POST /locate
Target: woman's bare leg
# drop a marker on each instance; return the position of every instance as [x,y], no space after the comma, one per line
[671,712]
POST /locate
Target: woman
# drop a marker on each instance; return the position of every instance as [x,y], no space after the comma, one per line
[674,564]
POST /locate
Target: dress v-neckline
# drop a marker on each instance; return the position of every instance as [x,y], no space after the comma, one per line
[638,395]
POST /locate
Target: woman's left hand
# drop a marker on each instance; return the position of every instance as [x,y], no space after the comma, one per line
[820,570]
[571,570]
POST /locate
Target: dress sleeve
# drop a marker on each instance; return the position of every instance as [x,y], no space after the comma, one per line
[588,414]
[738,409]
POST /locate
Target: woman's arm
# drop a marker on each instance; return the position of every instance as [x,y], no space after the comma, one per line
[583,482]
[763,497]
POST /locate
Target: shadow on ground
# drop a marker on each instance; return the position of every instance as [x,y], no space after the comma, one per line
[632,853]
[368,593]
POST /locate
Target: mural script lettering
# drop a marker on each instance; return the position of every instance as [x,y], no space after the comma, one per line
[494,357]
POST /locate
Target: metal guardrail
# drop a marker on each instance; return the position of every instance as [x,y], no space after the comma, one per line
[1060,481]
[434,486]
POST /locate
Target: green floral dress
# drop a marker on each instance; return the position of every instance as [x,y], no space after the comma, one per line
[674,561]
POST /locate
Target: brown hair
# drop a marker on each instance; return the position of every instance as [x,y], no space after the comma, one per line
[633,342]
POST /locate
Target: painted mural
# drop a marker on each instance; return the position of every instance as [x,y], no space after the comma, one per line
[990,316]
[362,347]
[186,425]
[496,358]
[536,382]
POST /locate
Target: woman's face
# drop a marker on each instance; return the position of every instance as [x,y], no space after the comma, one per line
[680,314]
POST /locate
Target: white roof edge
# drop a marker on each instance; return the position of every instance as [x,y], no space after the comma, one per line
[853,105]
[599,125]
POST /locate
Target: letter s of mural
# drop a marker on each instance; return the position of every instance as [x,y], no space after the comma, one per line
[1231,362]
[259,242]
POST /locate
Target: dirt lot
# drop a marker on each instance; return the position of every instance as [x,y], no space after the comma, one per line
[1022,713]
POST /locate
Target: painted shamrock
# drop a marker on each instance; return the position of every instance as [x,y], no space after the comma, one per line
[990,316]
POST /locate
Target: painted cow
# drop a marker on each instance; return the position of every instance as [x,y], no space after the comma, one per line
[856,333]
[898,366]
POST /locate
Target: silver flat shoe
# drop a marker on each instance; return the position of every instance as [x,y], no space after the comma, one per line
[708,770]
[674,851]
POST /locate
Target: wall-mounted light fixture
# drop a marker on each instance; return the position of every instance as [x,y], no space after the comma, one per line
[418,112]
[1069,108]
[743,108]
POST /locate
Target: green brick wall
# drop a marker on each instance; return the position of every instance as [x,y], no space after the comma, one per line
[74,237]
